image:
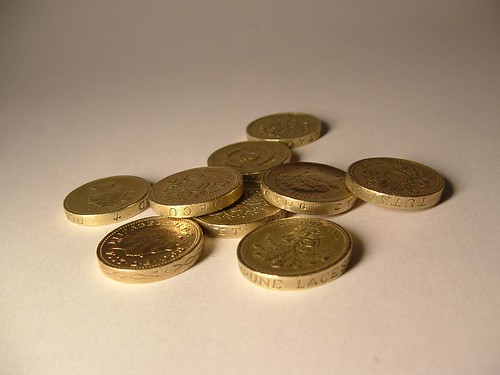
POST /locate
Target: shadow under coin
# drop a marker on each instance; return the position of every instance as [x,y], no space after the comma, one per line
[448,191]
[357,251]
[325,128]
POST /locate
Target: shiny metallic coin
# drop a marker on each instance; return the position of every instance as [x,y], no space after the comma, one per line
[150,249]
[251,158]
[294,129]
[249,212]
[308,188]
[395,183]
[196,192]
[295,253]
[107,200]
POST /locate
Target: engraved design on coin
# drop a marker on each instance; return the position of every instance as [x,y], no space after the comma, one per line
[396,176]
[294,246]
[284,126]
[106,194]
[187,187]
[308,181]
[250,158]
[293,128]
[147,244]
[297,249]
[251,204]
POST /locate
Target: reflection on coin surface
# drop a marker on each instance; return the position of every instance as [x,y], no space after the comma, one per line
[150,249]
[295,253]
[196,192]
[249,212]
[107,200]
[395,183]
[293,128]
[309,188]
[251,158]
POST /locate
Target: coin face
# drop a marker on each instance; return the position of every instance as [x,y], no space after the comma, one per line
[196,192]
[251,158]
[395,183]
[295,253]
[309,188]
[249,212]
[150,249]
[107,200]
[293,128]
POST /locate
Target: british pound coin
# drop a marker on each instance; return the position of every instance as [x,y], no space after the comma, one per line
[308,188]
[251,158]
[150,249]
[107,200]
[295,253]
[395,183]
[196,192]
[249,212]
[293,128]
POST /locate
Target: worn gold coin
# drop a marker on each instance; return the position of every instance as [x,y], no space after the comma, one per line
[107,200]
[309,188]
[395,183]
[196,192]
[293,128]
[295,253]
[150,249]
[251,158]
[249,212]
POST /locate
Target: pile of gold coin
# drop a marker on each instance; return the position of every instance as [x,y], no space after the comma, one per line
[248,190]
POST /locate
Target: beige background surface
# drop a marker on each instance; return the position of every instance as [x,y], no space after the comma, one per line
[98,88]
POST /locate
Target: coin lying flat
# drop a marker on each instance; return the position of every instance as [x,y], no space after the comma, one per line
[309,188]
[295,253]
[107,200]
[249,212]
[395,183]
[196,192]
[251,158]
[293,128]
[150,249]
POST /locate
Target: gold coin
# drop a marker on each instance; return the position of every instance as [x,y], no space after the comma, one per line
[395,183]
[251,158]
[196,192]
[107,200]
[249,212]
[308,188]
[294,128]
[150,249]
[295,253]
